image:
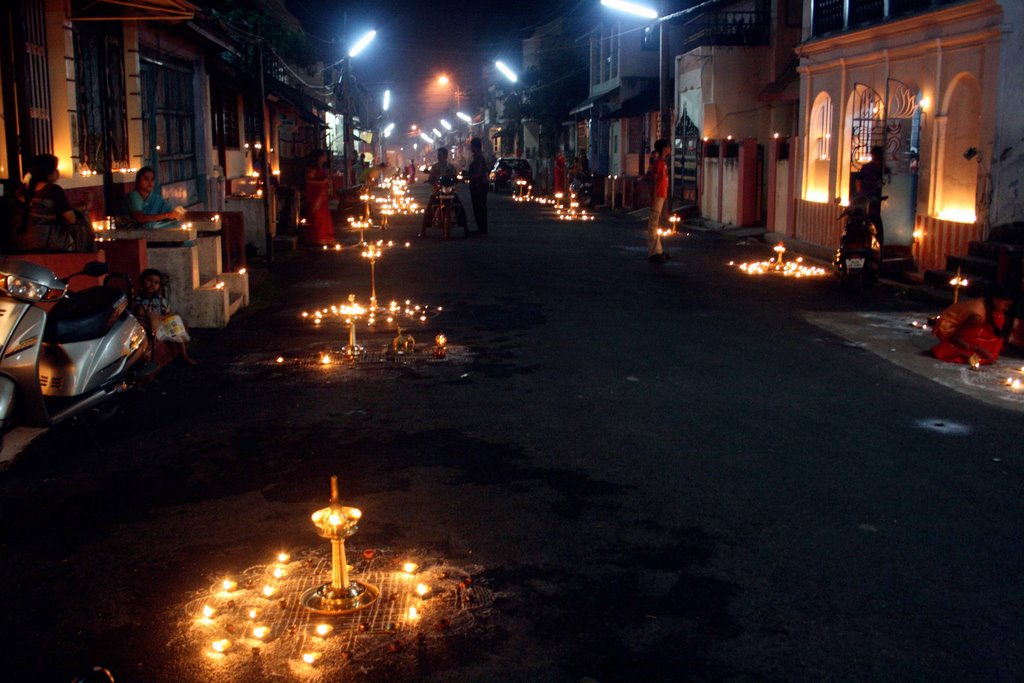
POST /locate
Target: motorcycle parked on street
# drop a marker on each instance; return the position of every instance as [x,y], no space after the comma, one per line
[62,352]
[582,187]
[858,260]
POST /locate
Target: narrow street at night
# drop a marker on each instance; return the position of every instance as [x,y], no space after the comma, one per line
[649,473]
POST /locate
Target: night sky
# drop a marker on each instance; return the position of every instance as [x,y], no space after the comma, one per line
[416,41]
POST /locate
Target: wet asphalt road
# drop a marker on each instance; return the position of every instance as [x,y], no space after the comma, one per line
[666,473]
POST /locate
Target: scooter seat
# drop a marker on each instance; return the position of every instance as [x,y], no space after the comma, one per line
[88,314]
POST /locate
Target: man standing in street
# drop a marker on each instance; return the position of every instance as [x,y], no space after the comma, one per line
[477,174]
[658,173]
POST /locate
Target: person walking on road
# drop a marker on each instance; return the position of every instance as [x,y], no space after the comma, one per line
[478,185]
[560,172]
[658,173]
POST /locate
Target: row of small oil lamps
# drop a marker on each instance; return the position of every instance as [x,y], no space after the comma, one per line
[219,647]
[85,171]
[1014,383]
[353,310]
[778,266]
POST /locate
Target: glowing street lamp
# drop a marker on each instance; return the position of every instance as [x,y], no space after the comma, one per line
[447,126]
[506,72]
[442,80]
[361,44]
[387,100]
[387,130]
[346,77]
[465,117]
[437,133]
[631,8]
[427,138]
[664,58]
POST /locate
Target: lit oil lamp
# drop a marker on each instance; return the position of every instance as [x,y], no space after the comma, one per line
[372,253]
[958,282]
[440,346]
[341,595]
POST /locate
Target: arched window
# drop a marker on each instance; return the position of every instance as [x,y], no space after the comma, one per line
[819,149]
[958,174]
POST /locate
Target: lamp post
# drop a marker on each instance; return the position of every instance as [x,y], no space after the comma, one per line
[664,55]
[346,89]
[511,77]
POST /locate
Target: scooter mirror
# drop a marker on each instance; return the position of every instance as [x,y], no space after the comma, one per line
[95,269]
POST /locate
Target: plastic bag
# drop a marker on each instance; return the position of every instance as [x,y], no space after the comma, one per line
[171,328]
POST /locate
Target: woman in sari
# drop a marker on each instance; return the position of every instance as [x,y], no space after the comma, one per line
[318,210]
[971,331]
[146,207]
[44,220]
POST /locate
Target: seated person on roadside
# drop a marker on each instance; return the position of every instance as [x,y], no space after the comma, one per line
[974,327]
[145,207]
[440,170]
[44,220]
[166,331]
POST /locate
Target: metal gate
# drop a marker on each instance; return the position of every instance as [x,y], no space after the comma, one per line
[867,127]
[686,160]
[902,143]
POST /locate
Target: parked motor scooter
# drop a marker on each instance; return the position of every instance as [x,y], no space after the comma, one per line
[582,187]
[58,363]
[858,260]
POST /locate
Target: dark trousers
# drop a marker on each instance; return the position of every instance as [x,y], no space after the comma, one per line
[478,195]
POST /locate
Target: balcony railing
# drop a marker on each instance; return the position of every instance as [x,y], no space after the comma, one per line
[728,28]
[831,16]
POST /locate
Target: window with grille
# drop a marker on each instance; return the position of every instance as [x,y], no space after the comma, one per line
[100,97]
[821,127]
[37,79]
[169,123]
[225,126]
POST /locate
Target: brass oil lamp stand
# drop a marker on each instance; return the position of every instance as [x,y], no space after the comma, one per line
[341,595]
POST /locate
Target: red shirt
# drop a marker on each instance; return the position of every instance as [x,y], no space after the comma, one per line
[659,170]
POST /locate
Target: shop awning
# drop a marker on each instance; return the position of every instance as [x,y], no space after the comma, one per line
[591,101]
[644,103]
[134,10]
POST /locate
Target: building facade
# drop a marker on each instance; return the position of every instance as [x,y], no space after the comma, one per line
[919,79]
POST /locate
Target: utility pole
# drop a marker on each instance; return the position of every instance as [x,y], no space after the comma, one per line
[264,156]
[346,94]
[665,76]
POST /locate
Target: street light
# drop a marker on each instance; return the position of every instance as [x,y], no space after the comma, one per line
[664,96]
[447,126]
[387,100]
[442,80]
[427,138]
[346,77]
[437,133]
[631,8]
[387,130]
[506,72]
[361,43]
[465,117]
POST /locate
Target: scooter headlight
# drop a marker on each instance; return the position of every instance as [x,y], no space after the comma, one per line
[29,290]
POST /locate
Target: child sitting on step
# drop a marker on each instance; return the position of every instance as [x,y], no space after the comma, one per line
[167,334]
